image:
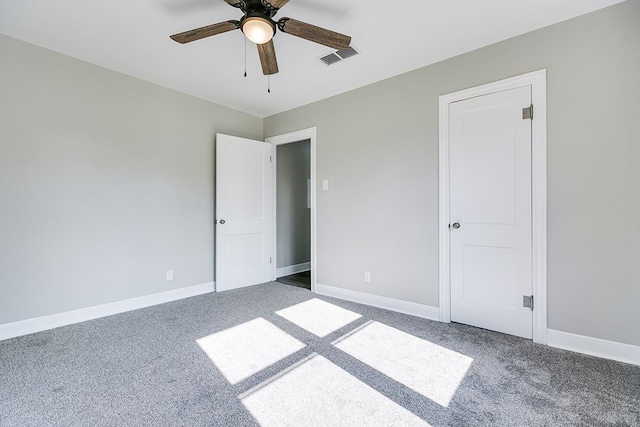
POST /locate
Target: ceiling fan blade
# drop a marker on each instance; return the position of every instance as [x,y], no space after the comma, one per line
[268,58]
[209,30]
[315,34]
[276,4]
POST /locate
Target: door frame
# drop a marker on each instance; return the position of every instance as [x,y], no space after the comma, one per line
[538,82]
[287,138]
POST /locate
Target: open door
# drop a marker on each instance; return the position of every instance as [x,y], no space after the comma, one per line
[244,197]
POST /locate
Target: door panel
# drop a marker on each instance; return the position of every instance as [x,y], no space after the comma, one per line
[488,275]
[243,212]
[490,167]
[244,186]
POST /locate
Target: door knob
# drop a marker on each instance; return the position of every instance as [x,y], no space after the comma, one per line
[222,221]
[456,225]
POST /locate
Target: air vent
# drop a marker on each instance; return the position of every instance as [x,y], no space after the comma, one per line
[332,58]
[338,56]
[347,53]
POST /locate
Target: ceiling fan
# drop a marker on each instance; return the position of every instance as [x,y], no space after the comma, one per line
[258,25]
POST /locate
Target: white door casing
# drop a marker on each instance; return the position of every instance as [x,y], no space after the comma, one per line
[244,200]
[537,83]
[490,209]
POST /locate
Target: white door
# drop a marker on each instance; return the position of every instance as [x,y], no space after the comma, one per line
[490,211]
[243,212]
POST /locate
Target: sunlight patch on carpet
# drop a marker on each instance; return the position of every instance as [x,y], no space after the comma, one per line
[244,350]
[316,392]
[429,369]
[318,317]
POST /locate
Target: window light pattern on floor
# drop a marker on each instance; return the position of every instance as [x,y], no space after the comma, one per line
[246,349]
[315,391]
[318,393]
[318,317]
[429,369]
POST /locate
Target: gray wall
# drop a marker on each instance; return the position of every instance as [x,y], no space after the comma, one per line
[378,147]
[106,182]
[293,226]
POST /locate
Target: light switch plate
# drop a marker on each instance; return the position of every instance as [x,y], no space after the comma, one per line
[325,184]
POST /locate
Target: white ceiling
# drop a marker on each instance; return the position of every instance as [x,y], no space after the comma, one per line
[394,37]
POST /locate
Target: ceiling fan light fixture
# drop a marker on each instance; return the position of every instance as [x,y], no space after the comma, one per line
[258,29]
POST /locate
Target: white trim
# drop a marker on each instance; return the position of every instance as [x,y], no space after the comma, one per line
[444,248]
[621,352]
[37,324]
[300,135]
[538,82]
[406,307]
[292,269]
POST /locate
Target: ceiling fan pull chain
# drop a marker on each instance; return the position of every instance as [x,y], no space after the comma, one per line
[245,57]
[269,83]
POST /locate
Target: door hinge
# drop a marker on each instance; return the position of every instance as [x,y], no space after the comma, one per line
[527,301]
[527,113]
[269,260]
[270,159]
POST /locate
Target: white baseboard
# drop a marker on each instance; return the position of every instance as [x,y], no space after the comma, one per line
[594,346]
[37,324]
[293,269]
[406,307]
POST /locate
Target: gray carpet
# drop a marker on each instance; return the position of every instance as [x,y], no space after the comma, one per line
[144,368]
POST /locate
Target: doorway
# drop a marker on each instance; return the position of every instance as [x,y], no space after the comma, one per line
[293,213]
[484,280]
[294,210]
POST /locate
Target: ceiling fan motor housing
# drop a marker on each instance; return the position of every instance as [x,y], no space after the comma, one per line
[263,7]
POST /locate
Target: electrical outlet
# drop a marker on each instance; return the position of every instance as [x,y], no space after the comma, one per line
[169,275]
[367,276]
